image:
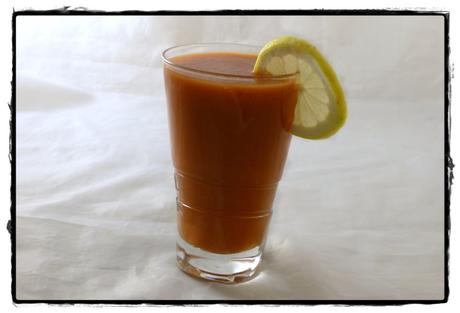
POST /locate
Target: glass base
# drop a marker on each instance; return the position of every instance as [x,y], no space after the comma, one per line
[223,268]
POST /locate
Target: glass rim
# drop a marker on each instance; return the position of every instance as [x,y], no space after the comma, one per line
[169,62]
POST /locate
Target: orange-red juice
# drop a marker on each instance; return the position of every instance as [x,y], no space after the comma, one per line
[230,139]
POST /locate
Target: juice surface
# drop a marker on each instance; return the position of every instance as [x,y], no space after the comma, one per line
[230,139]
[219,62]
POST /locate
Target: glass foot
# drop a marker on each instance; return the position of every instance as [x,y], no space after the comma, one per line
[223,268]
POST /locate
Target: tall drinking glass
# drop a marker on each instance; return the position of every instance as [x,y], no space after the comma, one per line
[229,132]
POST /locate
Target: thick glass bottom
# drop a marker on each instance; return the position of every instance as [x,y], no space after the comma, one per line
[223,268]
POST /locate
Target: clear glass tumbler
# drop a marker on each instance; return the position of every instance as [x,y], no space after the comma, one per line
[230,137]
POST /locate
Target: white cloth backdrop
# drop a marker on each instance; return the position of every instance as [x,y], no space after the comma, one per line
[358,216]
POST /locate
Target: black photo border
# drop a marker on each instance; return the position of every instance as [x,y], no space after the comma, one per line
[448,163]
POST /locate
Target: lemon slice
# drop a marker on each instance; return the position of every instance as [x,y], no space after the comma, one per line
[321,109]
